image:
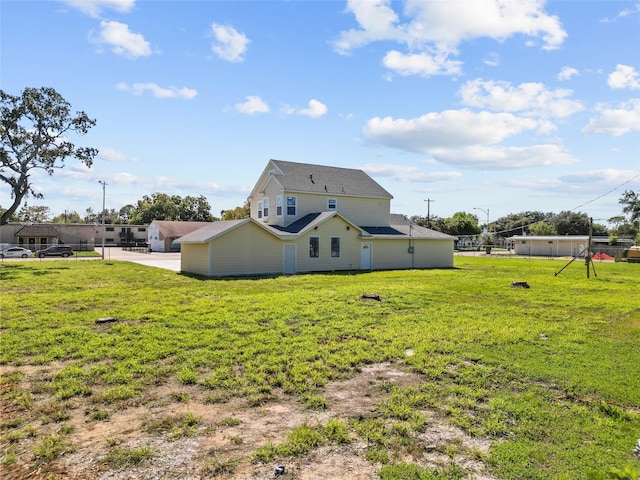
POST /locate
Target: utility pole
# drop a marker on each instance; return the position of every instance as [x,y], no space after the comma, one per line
[428,200]
[587,258]
[104,184]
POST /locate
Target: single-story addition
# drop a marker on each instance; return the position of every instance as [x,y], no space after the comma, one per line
[550,246]
[313,218]
[163,234]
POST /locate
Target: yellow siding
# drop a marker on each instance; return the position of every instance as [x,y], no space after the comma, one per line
[394,254]
[349,248]
[360,211]
[195,258]
[246,250]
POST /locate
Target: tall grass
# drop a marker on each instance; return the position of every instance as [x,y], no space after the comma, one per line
[551,372]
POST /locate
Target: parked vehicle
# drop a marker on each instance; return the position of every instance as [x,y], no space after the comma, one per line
[55,250]
[633,254]
[16,252]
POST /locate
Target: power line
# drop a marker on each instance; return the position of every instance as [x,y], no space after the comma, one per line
[575,208]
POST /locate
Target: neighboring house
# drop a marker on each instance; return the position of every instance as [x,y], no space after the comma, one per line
[312,218]
[550,246]
[163,234]
[80,236]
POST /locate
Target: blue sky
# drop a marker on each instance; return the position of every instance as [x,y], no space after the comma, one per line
[496,105]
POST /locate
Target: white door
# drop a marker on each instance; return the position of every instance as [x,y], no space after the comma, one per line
[365,256]
[289,266]
[581,250]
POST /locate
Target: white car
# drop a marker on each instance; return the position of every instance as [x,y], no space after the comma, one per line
[16,252]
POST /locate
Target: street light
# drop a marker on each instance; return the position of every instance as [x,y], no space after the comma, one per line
[104,184]
[486,228]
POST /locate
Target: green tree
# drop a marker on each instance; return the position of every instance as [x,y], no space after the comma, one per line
[462,223]
[631,205]
[34,131]
[518,223]
[195,209]
[542,228]
[91,217]
[34,214]
[238,213]
[125,213]
[10,218]
[435,223]
[68,217]
[160,206]
[571,223]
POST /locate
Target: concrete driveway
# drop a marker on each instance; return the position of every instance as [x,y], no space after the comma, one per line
[168,261]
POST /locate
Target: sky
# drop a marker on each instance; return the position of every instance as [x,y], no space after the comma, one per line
[489,107]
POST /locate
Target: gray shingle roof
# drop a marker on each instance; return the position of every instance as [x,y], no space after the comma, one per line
[172,228]
[37,231]
[210,230]
[305,177]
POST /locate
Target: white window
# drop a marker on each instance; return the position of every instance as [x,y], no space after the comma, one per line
[260,209]
[279,205]
[265,207]
[291,206]
[335,247]
[332,204]
[314,247]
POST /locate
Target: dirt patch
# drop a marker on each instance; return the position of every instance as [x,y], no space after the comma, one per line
[228,434]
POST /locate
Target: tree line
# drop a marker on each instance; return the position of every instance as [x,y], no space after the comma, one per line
[627,224]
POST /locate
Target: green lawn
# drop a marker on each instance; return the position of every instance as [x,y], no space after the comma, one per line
[550,374]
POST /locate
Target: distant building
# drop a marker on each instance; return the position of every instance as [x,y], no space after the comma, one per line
[163,234]
[550,246]
[80,236]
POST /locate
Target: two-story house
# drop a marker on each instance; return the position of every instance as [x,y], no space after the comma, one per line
[312,218]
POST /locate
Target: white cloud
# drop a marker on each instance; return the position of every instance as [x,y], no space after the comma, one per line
[615,121]
[624,13]
[112,155]
[316,109]
[449,129]
[437,28]
[122,40]
[94,8]
[157,91]
[501,157]
[252,106]
[624,77]
[608,175]
[566,73]
[492,59]
[531,98]
[229,45]
[423,64]
[467,139]
[408,173]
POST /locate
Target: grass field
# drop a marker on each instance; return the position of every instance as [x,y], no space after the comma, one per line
[547,377]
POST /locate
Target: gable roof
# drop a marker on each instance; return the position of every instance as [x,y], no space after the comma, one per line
[211,230]
[171,228]
[321,179]
[37,231]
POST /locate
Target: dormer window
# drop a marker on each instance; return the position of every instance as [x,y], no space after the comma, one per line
[332,204]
